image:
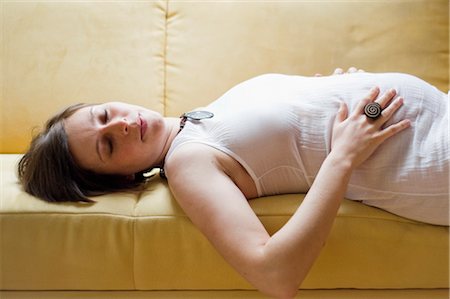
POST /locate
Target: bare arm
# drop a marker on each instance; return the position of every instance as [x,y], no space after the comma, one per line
[277,264]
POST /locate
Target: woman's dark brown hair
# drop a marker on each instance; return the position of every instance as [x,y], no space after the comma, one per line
[48,170]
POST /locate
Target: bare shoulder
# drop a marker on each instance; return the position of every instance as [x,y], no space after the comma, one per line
[202,164]
[191,168]
[190,158]
[201,186]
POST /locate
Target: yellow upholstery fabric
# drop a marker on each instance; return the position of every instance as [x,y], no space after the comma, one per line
[214,45]
[59,53]
[144,241]
[303,294]
[172,56]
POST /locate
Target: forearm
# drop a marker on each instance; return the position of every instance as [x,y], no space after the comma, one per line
[290,253]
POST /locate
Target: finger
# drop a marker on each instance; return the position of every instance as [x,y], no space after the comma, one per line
[370,97]
[361,71]
[386,98]
[342,113]
[393,129]
[338,71]
[387,113]
[318,75]
[352,69]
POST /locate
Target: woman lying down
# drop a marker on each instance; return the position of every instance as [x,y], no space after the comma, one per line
[381,139]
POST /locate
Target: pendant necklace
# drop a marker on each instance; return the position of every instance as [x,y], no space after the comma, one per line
[194,116]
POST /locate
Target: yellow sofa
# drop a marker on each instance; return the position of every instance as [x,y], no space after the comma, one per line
[173,56]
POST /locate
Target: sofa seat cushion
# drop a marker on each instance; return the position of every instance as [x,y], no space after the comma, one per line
[144,241]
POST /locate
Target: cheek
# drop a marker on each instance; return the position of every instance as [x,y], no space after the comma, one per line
[155,138]
[128,150]
[157,126]
[136,152]
[131,159]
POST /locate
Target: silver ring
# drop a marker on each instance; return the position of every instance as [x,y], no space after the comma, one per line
[373,110]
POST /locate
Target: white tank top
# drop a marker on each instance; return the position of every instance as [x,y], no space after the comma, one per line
[278,128]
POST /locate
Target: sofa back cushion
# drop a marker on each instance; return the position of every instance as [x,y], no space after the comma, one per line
[60,53]
[172,56]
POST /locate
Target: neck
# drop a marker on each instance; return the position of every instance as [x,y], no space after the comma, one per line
[172,125]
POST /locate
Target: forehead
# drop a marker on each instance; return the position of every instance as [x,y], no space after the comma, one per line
[81,119]
[81,137]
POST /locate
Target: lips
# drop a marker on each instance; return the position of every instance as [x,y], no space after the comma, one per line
[143,126]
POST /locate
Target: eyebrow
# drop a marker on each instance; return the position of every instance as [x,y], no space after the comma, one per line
[97,141]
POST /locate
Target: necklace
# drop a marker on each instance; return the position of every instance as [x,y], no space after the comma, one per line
[193,116]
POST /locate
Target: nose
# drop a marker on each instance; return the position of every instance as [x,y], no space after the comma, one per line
[118,126]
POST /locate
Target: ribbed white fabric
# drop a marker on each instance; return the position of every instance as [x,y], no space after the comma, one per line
[279,128]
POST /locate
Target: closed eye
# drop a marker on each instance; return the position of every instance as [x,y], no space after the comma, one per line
[107,140]
[105,117]
[107,145]
[110,145]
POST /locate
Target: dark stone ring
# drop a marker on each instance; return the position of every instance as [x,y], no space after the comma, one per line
[373,110]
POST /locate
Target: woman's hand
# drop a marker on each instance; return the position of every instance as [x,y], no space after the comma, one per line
[350,70]
[356,137]
[339,71]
